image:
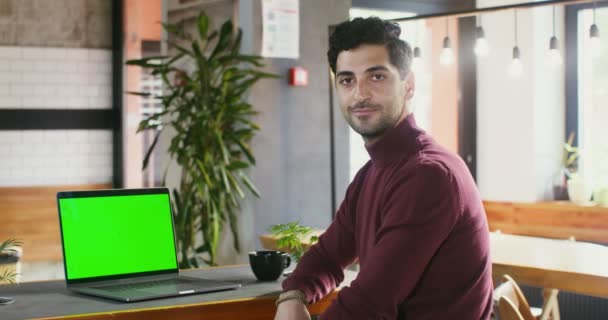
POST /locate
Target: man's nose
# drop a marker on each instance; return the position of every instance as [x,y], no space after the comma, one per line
[362,91]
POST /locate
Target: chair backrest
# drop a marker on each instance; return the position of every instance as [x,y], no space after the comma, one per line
[511,291]
[508,310]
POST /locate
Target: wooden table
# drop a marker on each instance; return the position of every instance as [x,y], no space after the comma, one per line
[548,263]
[579,267]
[255,300]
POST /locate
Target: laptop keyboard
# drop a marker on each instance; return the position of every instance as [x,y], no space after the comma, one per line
[178,284]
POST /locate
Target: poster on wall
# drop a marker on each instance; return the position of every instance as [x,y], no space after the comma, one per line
[281,24]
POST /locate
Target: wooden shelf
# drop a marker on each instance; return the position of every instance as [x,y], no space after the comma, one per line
[560,220]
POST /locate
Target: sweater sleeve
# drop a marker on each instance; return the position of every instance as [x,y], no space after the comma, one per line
[420,209]
[320,270]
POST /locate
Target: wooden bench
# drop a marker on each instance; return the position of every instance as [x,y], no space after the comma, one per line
[30,215]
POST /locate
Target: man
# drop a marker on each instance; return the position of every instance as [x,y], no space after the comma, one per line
[412,216]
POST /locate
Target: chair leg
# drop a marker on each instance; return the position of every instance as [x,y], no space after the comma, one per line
[550,305]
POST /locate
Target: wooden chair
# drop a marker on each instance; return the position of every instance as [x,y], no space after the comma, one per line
[508,310]
[509,296]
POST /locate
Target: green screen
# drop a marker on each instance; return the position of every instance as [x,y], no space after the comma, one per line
[114,235]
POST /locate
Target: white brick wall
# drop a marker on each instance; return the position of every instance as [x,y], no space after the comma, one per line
[55,157]
[42,78]
[55,78]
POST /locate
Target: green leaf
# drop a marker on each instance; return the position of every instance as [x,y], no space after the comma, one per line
[10,244]
[203,25]
[171,28]
[246,150]
[149,62]
[202,248]
[222,43]
[250,185]
[143,94]
[237,165]
[150,150]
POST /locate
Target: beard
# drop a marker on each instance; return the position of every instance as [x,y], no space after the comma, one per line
[371,127]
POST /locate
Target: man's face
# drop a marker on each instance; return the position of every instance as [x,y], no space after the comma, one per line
[371,92]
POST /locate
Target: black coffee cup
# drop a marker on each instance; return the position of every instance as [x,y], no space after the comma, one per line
[268,265]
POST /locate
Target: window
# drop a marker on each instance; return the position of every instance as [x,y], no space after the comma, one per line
[588,106]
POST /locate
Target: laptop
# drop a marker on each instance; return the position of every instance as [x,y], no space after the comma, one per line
[120,244]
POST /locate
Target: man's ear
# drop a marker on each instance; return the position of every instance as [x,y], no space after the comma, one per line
[410,85]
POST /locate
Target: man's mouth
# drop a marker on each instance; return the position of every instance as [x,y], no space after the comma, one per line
[363,111]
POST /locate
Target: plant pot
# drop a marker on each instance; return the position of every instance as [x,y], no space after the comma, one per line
[579,191]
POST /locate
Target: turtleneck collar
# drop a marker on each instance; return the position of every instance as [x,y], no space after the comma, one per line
[396,142]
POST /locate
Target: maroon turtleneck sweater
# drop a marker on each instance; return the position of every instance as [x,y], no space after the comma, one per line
[414,219]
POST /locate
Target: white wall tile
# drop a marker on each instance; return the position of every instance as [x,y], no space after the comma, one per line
[33,53]
[75,136]
[55,53]
[10,52]
[77,54]
[32,78]
[4,65]
[100,102]
[77,102]
[32,102]
[100,55]
[11,102]
[4,150]
[44,90]
[55,102]
[32,136]
[9,77]
[44,66]
[21,90]
[54,78]
[22,65]
[12,161]
[12,137]
[66,67]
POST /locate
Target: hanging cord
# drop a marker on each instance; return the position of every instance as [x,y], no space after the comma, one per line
[447,27]
[554,21]
[515,26]
[594,6]
[416,33]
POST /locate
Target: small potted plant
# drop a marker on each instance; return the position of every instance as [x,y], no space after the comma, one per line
[10,254]
[568,170]
[293,238]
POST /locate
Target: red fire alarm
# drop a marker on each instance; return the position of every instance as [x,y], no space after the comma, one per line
[298,76]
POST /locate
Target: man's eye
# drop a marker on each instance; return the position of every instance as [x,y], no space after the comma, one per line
[346,81]
[378,77]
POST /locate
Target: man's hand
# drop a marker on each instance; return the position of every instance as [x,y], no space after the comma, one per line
[292,310]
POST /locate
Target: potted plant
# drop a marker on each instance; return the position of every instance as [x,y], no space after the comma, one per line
[293,238]
[569,169]
[10,254]
[205,106]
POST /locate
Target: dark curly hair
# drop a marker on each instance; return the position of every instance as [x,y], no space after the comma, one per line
[351,34]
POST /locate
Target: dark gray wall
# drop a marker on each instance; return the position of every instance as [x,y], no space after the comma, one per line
[293,147]
[57,23]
